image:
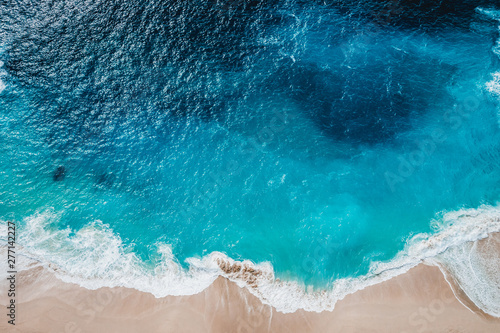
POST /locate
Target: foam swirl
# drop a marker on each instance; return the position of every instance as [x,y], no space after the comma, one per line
[95,257]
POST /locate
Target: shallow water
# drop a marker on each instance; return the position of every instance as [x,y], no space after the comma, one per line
[319,138]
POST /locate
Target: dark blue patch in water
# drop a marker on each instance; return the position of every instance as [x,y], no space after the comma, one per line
[92,67]
[59,174]
[365,102]
[429,15]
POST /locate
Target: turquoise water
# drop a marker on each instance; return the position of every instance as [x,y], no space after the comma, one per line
[315,137]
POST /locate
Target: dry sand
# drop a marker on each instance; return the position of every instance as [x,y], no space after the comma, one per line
[419,301]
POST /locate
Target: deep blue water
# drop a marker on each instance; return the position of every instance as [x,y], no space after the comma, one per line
[318,136]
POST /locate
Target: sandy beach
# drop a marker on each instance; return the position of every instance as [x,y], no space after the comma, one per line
[250,166]
[420,300]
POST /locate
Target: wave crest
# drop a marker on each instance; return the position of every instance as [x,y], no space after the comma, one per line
[95,257]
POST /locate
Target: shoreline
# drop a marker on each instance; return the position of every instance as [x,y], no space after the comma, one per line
[94,257]
[420,300]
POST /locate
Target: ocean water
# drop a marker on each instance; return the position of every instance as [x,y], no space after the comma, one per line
[328,145]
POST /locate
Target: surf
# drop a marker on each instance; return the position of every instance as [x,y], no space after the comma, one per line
[333,153]
[95,257]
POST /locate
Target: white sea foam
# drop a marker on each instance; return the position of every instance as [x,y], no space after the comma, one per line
[475,267]
[493,86]
[489,12]
[95,257]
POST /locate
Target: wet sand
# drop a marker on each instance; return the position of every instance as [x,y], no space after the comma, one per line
[420,300]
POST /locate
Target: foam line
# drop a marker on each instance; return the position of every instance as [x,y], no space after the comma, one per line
[95,257]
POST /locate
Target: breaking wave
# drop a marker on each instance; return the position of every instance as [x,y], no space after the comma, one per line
[95,257]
